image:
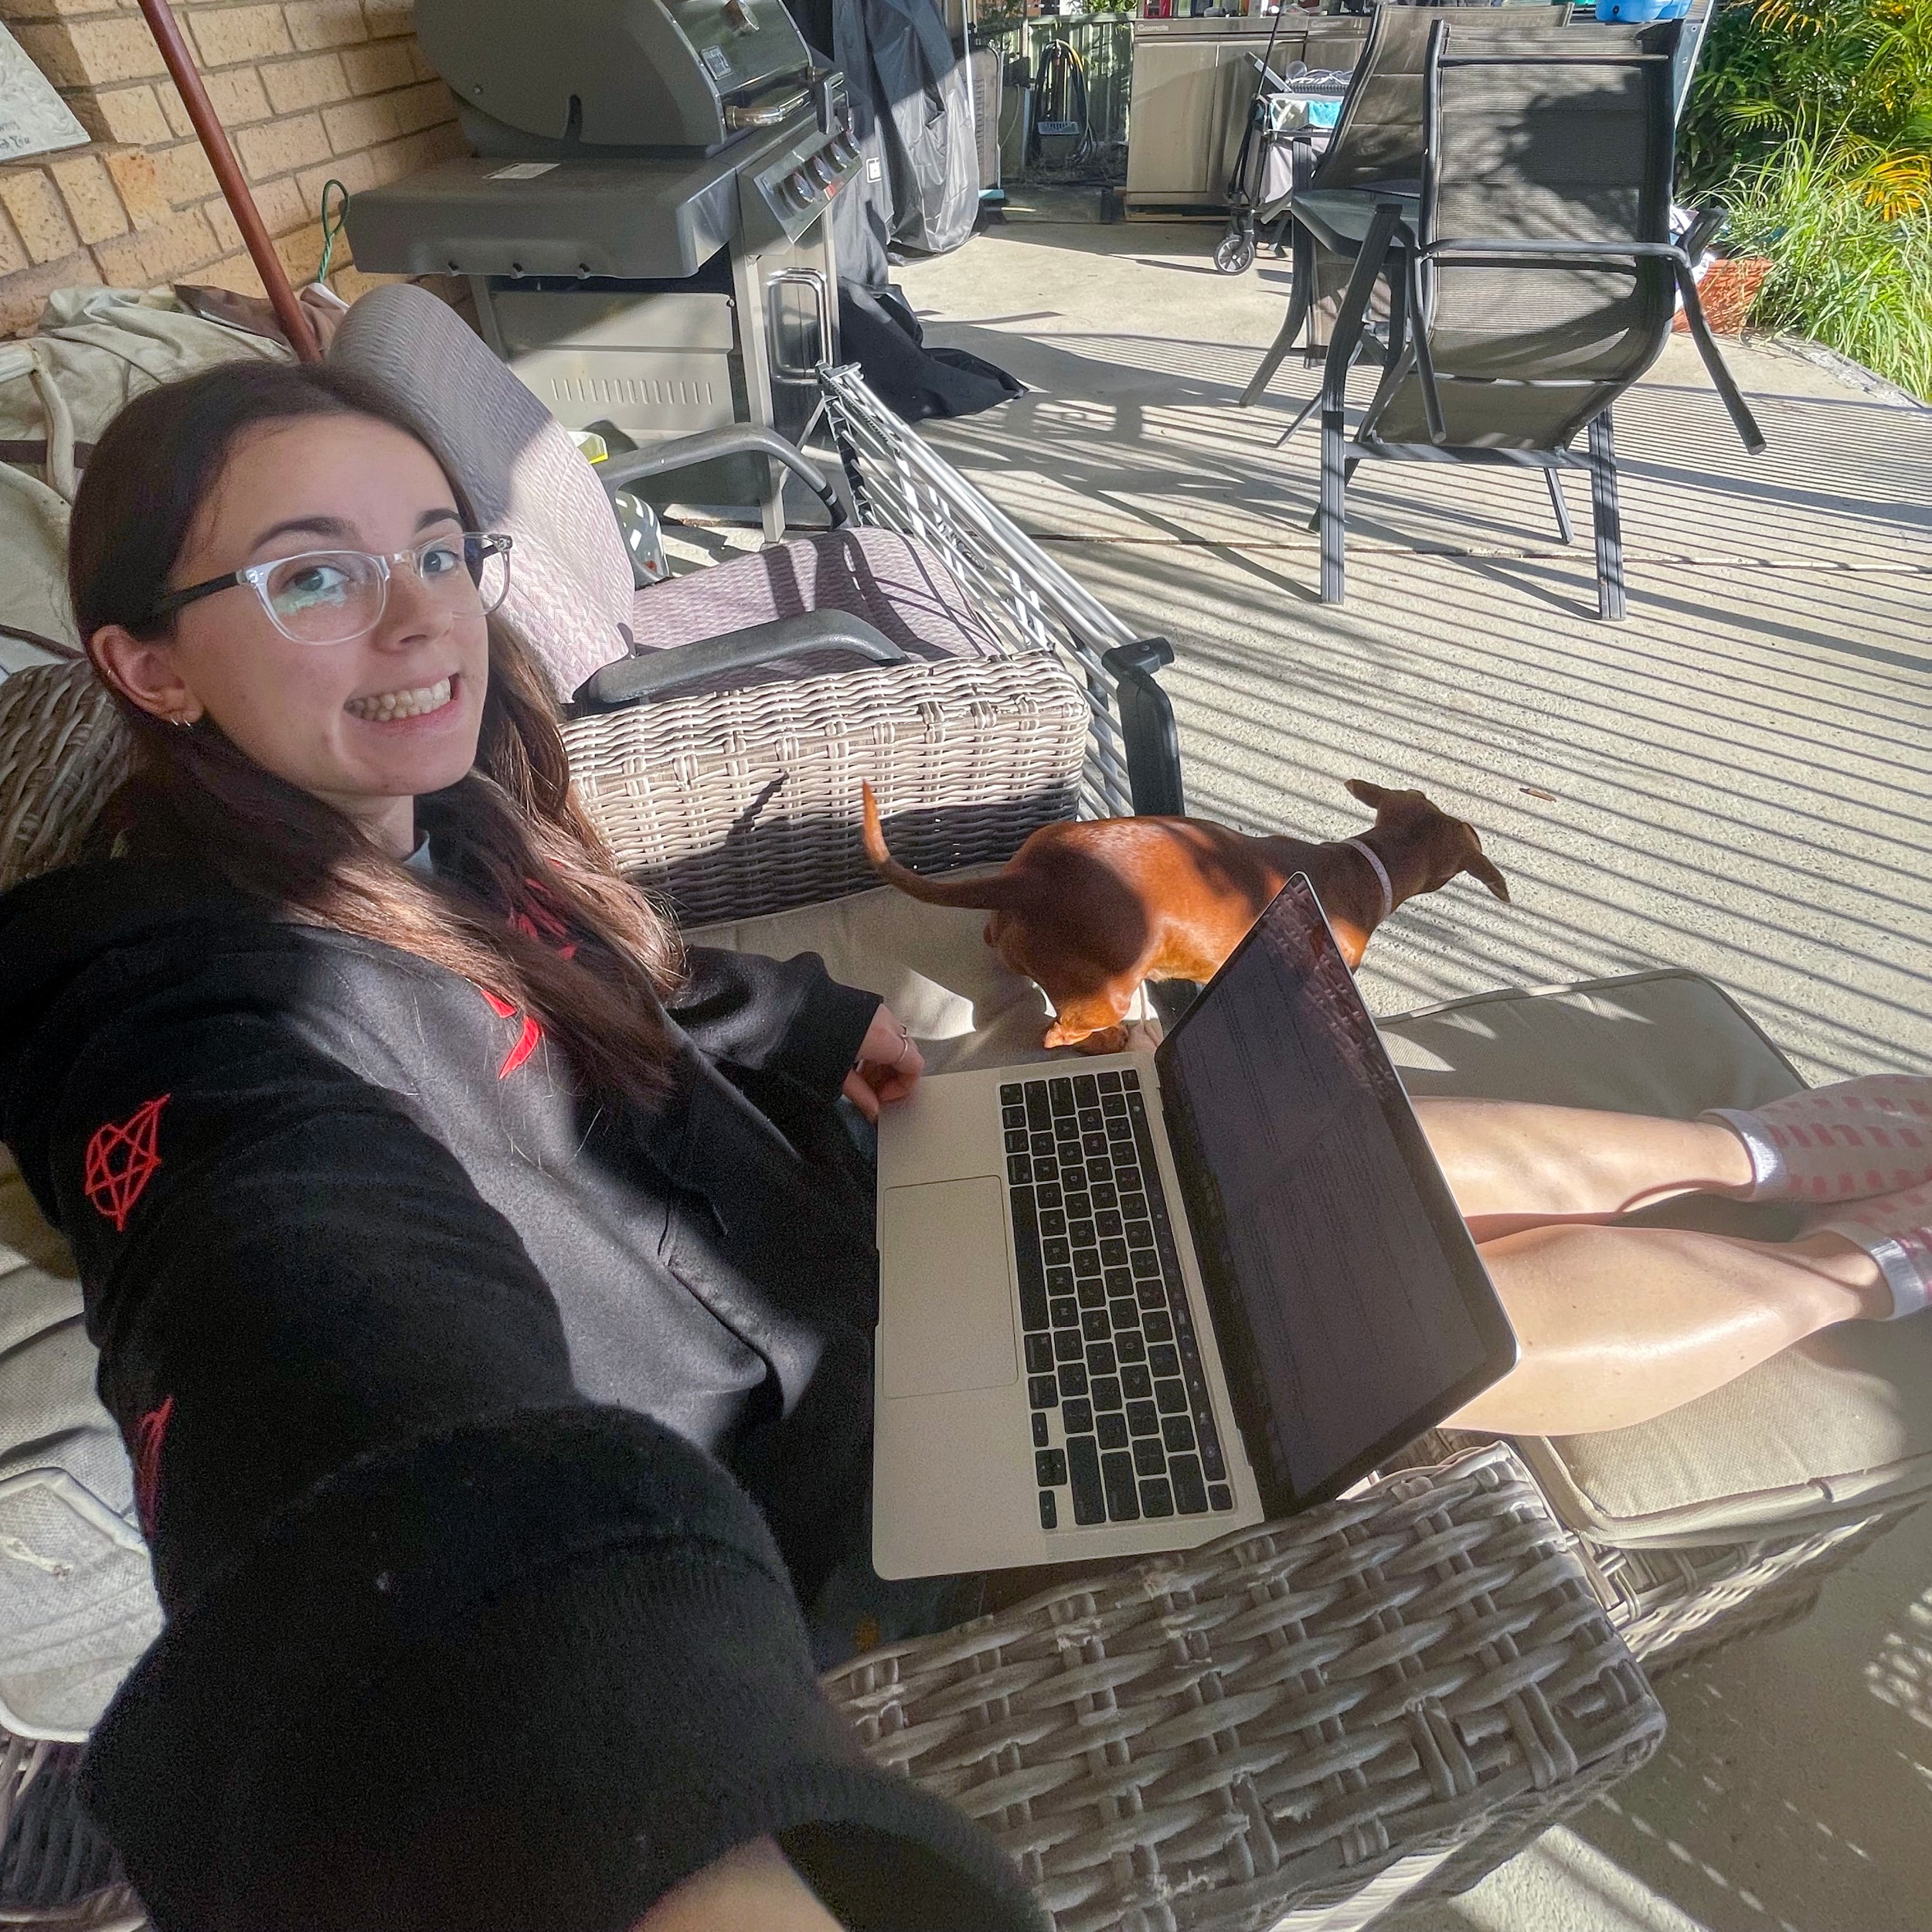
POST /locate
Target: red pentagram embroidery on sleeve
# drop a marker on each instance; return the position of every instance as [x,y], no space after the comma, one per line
[150,1433]
[526,1041]
[121,1160]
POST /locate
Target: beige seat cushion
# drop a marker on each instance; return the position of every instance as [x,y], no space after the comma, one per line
[928,963]
[1827,1426]
[77,1603]
[1817,1436]
[1669,1043]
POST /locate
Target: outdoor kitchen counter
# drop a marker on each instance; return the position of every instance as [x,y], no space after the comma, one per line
[1193,82]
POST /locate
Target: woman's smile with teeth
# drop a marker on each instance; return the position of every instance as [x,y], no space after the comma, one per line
[386,705]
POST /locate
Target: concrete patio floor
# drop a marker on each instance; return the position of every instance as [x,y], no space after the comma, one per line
[1736,780]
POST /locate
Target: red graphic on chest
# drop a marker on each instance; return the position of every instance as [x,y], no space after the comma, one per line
[539,922]
[526,1041]
[121,1160]
[150,1433]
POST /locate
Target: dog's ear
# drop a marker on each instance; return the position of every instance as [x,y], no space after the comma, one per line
[1374,797]
[1479,867]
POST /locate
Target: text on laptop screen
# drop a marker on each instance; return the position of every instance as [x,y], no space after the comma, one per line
[1321,1203]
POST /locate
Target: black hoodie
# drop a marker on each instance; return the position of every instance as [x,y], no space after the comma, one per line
[419,1353]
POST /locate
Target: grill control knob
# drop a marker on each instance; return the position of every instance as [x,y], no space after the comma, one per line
[824,170]
[801,190]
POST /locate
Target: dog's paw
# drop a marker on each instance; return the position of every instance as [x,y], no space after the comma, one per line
[1104,1039]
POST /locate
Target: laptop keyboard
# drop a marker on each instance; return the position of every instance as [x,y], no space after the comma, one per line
[1109,1341]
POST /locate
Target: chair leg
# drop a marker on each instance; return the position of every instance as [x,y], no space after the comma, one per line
[1609,534]
[1333,512]
[1557,504]
[1298,308]
[1349,469]
[1398,315]
[1301,415]
[1343,345]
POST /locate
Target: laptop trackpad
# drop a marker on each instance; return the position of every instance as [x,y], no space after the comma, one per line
[945,1298]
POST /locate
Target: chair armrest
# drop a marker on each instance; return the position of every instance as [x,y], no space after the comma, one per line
[657,673]
[738,439]
[1276,1719]
[1152,744]
[1509,252]
[1706,224]
[1338,241]
[746,801]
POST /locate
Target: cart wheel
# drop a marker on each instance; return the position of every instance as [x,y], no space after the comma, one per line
[1235,254]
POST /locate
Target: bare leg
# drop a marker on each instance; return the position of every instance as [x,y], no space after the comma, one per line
[1513,1165]
[1616,1325]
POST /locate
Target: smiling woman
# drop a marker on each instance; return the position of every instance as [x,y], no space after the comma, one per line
[285,698]
[359,676]
[484,1281]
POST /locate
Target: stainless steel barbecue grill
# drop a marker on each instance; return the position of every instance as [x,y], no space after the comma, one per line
[645,223]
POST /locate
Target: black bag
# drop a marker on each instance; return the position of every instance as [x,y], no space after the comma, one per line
[878,332]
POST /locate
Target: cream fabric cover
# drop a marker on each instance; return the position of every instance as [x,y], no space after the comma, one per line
[1814,1436]
[94,351]
[77,1602]
[928,963]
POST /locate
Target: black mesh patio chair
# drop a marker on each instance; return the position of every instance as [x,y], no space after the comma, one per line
[1377,146]
[1533,275]
[1375,150]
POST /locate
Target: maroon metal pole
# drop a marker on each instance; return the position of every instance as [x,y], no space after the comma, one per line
[234,188]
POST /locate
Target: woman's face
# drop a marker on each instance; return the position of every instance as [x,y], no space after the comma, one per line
[367,725]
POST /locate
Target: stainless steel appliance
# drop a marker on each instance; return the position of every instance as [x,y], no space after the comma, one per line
[1193,79]
[644,224]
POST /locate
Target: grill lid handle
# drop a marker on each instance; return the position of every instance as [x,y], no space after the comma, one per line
[766,110]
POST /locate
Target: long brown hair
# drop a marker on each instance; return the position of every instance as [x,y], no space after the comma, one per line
[531,871]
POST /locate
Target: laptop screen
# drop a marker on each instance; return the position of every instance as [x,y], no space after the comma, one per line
[1351,1306]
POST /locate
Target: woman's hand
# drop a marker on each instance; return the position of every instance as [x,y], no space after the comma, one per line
[751,1890]
[888,1067]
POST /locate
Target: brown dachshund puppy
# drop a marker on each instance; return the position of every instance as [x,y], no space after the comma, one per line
[1089,908]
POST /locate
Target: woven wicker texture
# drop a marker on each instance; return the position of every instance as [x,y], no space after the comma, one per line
[53,1857]
[1671,1605]
[1022,597]
[748,802]
[62,752]
[1210,1740]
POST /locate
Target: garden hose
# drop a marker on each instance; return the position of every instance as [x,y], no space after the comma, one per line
[1059,103]
[330,232]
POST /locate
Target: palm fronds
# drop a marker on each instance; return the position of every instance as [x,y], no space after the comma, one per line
[1811,120]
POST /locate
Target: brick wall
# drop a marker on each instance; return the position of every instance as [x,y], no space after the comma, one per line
[308,90]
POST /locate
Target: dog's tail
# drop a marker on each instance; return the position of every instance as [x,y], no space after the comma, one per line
[998,893]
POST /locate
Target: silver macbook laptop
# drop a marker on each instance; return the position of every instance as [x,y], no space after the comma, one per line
[1132,1302]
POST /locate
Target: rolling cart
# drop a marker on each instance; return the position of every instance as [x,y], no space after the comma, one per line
[1288,123]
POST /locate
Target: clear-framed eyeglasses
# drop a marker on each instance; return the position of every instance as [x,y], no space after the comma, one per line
[334,597]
